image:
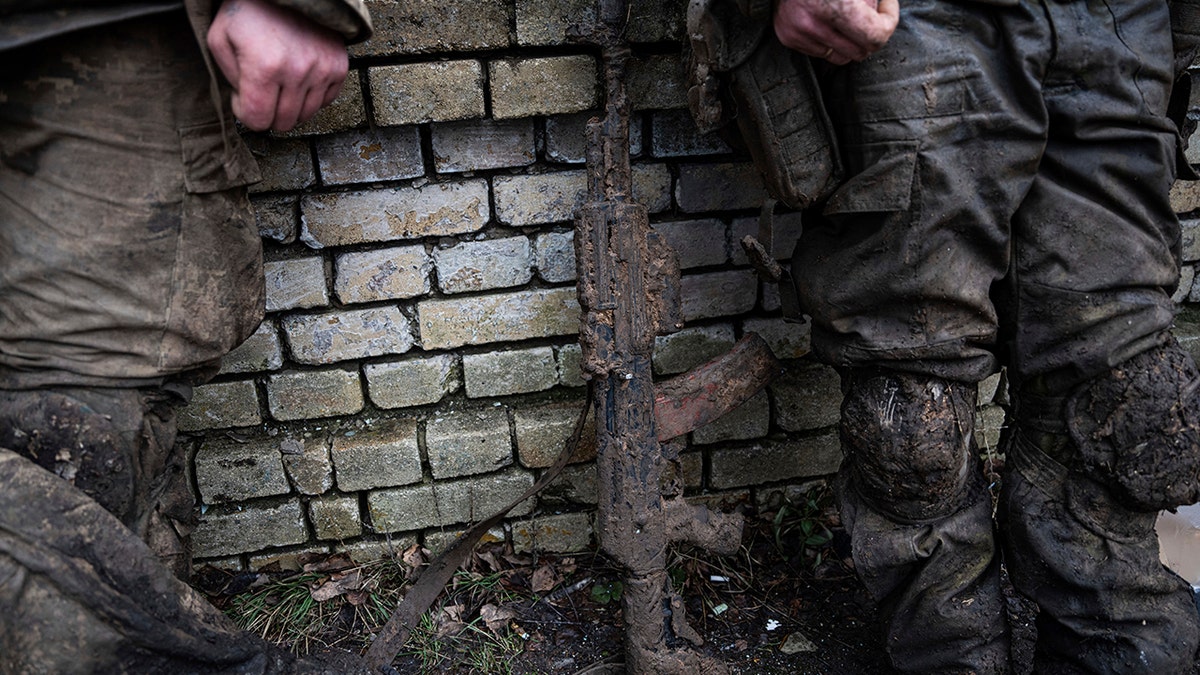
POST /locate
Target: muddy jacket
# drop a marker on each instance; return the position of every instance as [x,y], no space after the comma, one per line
[25,21]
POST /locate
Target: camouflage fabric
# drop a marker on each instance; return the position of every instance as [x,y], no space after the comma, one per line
[79,593]
[114,161]
[23,22]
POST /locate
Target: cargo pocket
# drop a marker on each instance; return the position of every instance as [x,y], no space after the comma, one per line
[217,293]
[885,184]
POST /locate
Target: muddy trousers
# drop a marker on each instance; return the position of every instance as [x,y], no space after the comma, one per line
[79,593]
[118,447]
[1086,474]
[919,517]
[1106,603]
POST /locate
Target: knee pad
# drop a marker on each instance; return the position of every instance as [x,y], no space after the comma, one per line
[1137,429]
[908,440]
[69,438]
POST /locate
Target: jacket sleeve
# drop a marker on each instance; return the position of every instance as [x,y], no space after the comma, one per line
[348,17]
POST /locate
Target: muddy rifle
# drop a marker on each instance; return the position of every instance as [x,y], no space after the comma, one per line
[629,291]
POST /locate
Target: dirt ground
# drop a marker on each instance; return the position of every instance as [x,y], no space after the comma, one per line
[788,602]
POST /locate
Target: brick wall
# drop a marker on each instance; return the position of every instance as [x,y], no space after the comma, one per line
[418,365]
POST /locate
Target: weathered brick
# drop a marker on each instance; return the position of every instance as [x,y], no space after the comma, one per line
[566,137]
[652,186]
[1187,275]
[1190,230]
[432,505]
[261,351]
[697,243]
[786,340]
[542,433]
[230,530]
[278,217]
[989,390]
[692,467]
[786,229]
[436,209]
[719,187]
[523,87]
[690,347]
[657,81]
[221,405]
[516,371]
[434,91]
[539,198]
[382,274]
[483,144]
[467,442]
[227,471]
[227,564]
[290,560]
[412,382]
[477,498]
[545,22]
[297,395]
[561,533]
[342,114]
[555,197]
[484,265]
[432,26]
[725,501]
[501,317]
[335,517]
[577,484]
[1187,331]
[285,163]
[769,294]
[437,541]
[383,153]
[750,420]
[656,20]
[1185,196]
[382,455]
[569,372]
[989,424]
[365,550]
[308,465]
[718,294]
[675,135]
[296,284]
[769,462]
[555,255]
[807,396]
[321,339]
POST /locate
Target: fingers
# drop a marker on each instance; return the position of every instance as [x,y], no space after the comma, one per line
[838,31]
[282,67]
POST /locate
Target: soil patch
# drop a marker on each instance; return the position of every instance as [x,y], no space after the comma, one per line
[788,602]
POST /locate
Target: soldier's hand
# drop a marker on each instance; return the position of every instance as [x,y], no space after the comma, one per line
[839,31]
[283,67]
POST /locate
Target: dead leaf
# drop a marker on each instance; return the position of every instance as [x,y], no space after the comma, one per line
[323,562]
[544,579]
[496,618]
[338,584]
[358,598]
[449,621]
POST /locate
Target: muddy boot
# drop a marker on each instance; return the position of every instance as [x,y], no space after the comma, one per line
[117,446]
[79,593]
[1086,475]
[919,517]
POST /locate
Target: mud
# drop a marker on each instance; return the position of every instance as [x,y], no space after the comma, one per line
[1138,429]
[909,439]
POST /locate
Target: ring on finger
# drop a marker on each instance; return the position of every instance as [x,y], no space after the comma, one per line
[828,51]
